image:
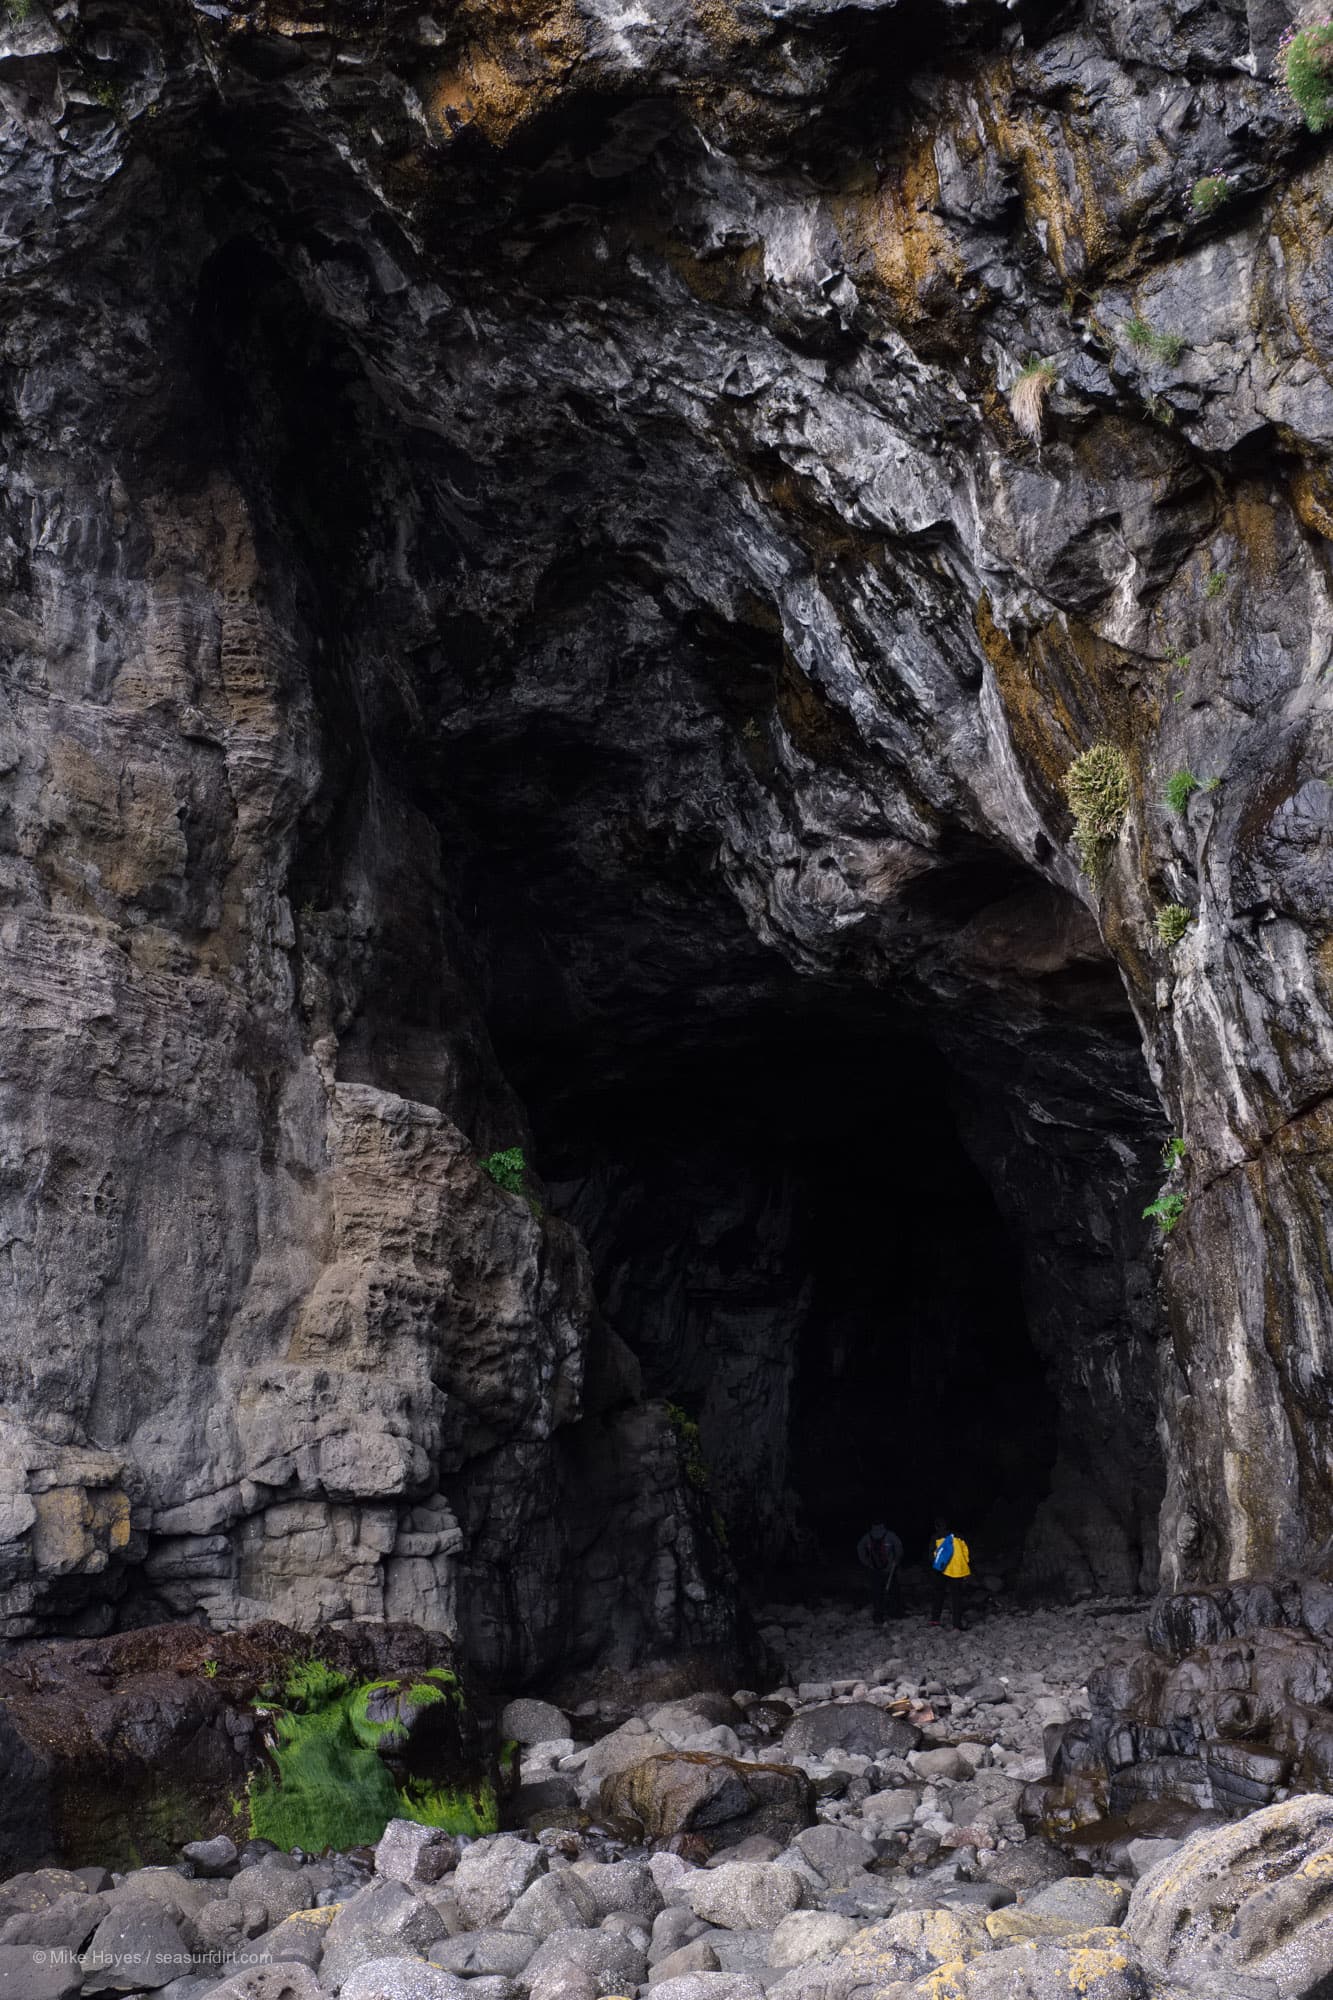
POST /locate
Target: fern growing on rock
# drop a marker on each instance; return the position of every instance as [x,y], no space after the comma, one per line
[1098,789]
[1165,1211]
[507,1169]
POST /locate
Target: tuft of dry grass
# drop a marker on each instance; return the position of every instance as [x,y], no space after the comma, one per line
[1027,398]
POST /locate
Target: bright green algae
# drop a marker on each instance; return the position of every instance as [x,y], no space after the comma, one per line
[330,1786]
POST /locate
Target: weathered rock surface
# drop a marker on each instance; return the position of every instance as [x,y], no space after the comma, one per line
[515,536]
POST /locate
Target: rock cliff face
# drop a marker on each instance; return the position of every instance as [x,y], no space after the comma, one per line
[525,597]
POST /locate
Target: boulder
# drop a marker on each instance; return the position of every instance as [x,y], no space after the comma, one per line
[409,1852]
[631,1744]
[697,1956]
[553,1903]
[564,1981]
[384,1920]
[674,1927]
[490,1954]
[907,1944]
[291,1981]
[492,1875]
[21,1978]
[620,1886]
[614,1963]
[808,1934]
[1097,1965]
[1252,1899]
[745,1896]
[63,1926]
[211,1857]
[945,1762]
[689,1791]
[137,1946]
[849,1725]
[402,1979]
[1087,1902]
[300,1939]
[836,1853]
[710,1986]
[528,1721]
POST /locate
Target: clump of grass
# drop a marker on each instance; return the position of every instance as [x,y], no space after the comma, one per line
[1180,789]
[1166,1211]
[1215,583]
[18,11]
[1305,70]
[1166,347]
[1209,193]
[1097,787]
[1173,1154]
[1179,660]
[1173,920]
[1027,397]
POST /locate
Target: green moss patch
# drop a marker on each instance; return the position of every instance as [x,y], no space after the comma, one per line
[342,1764]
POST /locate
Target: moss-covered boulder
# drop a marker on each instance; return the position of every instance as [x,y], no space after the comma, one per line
[117,1750]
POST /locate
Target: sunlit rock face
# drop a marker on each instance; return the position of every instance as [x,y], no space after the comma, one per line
[529,620]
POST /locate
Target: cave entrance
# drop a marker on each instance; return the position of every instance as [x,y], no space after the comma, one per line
[788,1231]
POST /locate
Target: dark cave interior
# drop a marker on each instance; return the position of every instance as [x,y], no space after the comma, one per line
[787,1230]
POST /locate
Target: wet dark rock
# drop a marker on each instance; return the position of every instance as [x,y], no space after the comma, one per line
[697,1792]
[853,1725]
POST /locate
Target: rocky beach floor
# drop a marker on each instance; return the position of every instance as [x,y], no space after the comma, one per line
[852,1829]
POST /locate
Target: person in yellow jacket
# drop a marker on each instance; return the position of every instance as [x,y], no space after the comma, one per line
[950,1566]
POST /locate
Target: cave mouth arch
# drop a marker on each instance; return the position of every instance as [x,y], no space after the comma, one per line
[787,1230]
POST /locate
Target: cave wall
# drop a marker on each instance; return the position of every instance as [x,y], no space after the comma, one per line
[524,501]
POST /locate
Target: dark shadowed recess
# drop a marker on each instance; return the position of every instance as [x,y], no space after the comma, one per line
[787,1230]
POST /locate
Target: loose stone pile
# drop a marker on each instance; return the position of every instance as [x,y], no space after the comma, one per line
[856,1835]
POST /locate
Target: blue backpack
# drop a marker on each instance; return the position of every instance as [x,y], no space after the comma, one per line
[944,1553]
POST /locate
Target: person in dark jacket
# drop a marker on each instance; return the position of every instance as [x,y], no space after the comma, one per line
[879,1551]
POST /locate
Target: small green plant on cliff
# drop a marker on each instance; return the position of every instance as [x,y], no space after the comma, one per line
[1097,787]
[506,1168]
[691,1446]
[210,1670]
[1173,920]
[1179,790]
[1215,583]
[1209,193]
[1173,1154]
[1167,347]
[1179,660]
[18,11]
[1305,70]
[1165,1211]
[1027,397]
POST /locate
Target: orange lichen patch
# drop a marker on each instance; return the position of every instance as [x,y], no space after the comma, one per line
[1062,173]
[730,278]
[899,245]
[721,22]
[510,71]
[1300,222]
[1252,519]
[1312,497]
[1033,684]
